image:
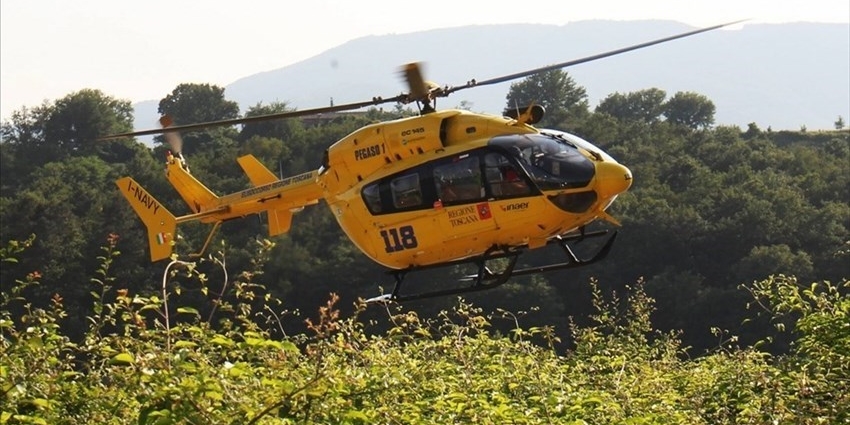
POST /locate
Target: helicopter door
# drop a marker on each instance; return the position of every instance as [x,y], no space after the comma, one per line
[461,207]
[504,178]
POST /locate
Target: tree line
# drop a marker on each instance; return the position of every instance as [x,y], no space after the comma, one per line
[712,207]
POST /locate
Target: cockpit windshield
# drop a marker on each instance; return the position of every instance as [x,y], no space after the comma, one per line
[552,162]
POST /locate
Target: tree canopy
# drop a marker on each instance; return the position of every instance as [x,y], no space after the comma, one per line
[565,101]
[711,207]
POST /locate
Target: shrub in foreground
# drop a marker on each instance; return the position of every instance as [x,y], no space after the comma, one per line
[153,359]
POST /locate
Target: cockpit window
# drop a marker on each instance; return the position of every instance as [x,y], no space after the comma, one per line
[372,196]
[552,162]
[503,177]
[406,192]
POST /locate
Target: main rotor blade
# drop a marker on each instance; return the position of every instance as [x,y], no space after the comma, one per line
[280,115]
[413,75]
[497,80]
[418,89]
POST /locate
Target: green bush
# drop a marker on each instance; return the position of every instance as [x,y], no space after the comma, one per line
[157,359]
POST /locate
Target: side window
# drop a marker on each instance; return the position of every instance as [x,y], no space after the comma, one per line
[504,179]
[406,191]
[372,196]
[459,181]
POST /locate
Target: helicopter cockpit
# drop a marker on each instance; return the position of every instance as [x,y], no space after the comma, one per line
[553,162]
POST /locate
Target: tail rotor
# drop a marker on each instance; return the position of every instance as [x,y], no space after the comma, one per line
[175,142]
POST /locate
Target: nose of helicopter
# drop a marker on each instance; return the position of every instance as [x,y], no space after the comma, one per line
[612,179]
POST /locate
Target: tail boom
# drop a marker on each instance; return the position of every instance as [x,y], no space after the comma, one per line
[278,198]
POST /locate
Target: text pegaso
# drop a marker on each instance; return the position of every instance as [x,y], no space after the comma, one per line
[368,152]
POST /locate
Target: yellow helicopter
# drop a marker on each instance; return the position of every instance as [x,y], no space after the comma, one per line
[442,188]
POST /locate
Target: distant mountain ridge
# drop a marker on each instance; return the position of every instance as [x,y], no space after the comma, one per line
[784,76]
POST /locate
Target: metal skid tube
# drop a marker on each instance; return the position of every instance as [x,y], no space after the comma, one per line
[485,279]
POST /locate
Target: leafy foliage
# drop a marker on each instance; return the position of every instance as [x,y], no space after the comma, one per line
[67,128]
[645,105]
[710,208]
[150,359]
[193,103]
[690,109]
[565,101]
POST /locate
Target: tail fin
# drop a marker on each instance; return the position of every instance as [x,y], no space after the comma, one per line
[161,224]
[196,195]
[279,221]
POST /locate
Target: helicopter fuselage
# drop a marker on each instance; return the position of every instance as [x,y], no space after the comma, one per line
[452,184]
[443,188]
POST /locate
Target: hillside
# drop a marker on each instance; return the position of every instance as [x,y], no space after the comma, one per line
[783,76]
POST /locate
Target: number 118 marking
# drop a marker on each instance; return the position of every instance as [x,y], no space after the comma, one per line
[397,239]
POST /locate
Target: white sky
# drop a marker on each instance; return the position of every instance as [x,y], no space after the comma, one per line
[140,50]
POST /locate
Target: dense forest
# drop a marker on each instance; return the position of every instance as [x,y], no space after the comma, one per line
[720,220]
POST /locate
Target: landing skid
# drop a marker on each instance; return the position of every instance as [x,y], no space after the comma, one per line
[487,279]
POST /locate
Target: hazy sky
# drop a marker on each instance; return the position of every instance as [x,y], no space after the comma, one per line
[140,50]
